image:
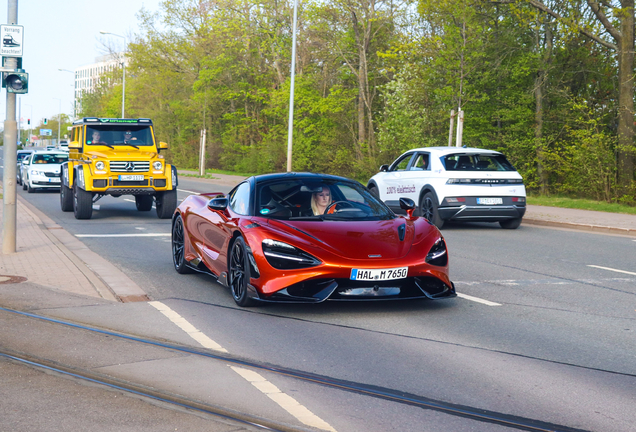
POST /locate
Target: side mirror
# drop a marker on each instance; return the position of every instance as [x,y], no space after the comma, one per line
[384,168]
[75,145]
[409,205]
[218,204]
[163,146]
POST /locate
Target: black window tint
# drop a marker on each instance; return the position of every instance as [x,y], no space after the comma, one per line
[240,199]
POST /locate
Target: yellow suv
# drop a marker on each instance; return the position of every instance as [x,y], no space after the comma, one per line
[116,157]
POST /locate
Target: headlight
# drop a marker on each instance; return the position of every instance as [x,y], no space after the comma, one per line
[285,257]
[157,165]
[100,165]
[437,255]
[40,173]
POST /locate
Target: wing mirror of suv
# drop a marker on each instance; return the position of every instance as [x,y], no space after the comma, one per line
[163,146]
[384,168]
[409,205]
[75,145]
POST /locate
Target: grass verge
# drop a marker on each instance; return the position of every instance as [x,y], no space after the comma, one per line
[582,204]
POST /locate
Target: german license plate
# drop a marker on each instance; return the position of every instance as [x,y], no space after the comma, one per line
[131,177]
[54,180]
[379,274]
[489,201]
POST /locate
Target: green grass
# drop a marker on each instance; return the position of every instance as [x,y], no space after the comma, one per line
[209,173]
[579,203]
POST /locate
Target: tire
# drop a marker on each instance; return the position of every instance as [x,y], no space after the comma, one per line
[178,246]
[29,188]
[374,191]
[428,210]
[82,203]
[166,204]
[239,273]
[24,185]
[143,202]
[510,223]
[19,181]
[66,198]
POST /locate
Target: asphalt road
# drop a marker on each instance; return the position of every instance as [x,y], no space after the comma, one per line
[537,332]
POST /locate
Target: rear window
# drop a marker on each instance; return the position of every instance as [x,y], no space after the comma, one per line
[476,162]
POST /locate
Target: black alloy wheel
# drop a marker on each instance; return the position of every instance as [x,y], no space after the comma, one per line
[240,273]
[429,210]
[178,246]
[143,202]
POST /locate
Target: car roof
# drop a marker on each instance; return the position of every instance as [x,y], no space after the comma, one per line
[298,175]
[55,152]
[442,151]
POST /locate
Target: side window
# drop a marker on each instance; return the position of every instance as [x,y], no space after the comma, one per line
[402,163]
[240,199]
[421,162]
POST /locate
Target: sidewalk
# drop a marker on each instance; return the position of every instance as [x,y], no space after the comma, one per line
[50,256]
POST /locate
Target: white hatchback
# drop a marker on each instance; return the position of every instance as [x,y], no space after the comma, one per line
[454,184]
[41,170]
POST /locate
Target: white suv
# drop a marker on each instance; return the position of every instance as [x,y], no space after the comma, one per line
[456,184]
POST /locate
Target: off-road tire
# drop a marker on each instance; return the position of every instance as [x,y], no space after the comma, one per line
[143,202]
[66,198]
[82,203]
[166,203]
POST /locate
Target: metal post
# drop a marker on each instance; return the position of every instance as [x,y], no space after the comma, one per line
[59,121]
[460,127]
[9,209]
[450,131]
[202,153]
[290,130]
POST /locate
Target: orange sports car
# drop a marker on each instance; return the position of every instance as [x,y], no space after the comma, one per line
[303,237]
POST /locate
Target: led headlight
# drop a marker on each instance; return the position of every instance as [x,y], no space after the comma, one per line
[157,165]
[283,256]
[437,255]
[100,165]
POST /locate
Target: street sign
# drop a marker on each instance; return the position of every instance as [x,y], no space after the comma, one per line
[46,132]
[11,39]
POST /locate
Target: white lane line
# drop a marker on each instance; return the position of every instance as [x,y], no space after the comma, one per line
[184,325]
[611,269]
[288,403]
[126,235]
[285,401]
[477,300]
[190,192]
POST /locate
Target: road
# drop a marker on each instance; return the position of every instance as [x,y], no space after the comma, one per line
[543,329]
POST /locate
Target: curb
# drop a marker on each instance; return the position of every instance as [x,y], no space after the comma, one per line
[109,282]
[582,227]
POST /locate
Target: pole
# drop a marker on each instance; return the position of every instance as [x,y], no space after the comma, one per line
[460,127]
[9,212]
[202,153]
[290,130]
[59,121]
[123,87]
[450,131]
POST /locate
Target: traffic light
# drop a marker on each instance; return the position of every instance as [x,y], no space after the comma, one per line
[16,82]
[46,121]
[28,122]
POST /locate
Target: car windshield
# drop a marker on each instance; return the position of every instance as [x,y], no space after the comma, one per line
[49,158]
[318,200]
[476,162]
[119,135]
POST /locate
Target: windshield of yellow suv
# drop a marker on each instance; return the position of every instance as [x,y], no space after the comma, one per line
[120,135]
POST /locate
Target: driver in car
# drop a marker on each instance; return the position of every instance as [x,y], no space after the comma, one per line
[320,201]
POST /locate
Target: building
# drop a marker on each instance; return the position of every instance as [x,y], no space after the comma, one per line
[87,77]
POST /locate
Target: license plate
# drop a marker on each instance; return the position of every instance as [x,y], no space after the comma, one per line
[379,274]
[131,177]
[489,201]
[54,180]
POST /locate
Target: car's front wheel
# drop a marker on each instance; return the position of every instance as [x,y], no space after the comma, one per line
[29,188]
[166,203]
[178,246]
[239,276]
[429,210]
[82,203]
[510,223]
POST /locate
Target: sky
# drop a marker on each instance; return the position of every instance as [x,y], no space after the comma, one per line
[64,34]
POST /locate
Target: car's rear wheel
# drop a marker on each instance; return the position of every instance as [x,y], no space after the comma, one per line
[240,273]
[374,191]
[82,203]
[143,202]
[510,223]
[428,209]
[166,203]
[178,246]
[66,198]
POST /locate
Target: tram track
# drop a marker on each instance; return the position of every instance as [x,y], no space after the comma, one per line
[392,395]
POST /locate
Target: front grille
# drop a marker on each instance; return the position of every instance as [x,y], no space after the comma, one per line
[129,166]
[50,174]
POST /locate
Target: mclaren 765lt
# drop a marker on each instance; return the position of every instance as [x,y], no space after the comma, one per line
[307,238]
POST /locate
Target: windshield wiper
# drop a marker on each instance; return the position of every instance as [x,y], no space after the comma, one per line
[132,145]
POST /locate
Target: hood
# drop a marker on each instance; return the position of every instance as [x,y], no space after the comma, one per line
[122,154]
[354,239]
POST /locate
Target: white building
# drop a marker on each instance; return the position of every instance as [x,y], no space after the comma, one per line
[87,77]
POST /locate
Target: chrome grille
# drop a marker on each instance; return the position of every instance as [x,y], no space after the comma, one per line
[129,166]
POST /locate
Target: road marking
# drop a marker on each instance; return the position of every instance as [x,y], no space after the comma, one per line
[477,300]
[285,401]
[288,403]
[184,325]
[190,192]
[126,235]
[611,269]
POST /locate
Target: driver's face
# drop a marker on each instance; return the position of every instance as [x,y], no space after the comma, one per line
[323,198]
[96,136]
